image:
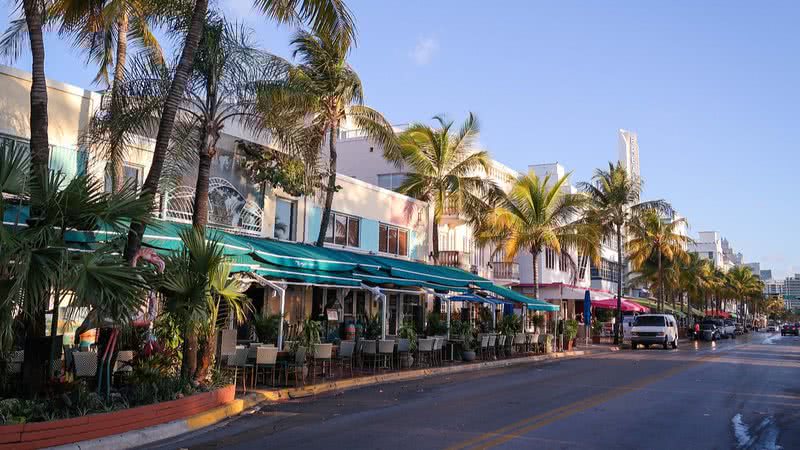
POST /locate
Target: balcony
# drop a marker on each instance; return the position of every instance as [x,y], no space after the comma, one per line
[505,271]
[454,258]
[452,214]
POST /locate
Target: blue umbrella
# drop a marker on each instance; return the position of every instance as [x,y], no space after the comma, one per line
[587,308]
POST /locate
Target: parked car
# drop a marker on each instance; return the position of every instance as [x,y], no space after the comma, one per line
[790,329]
[740,329]
[730,328]
[710,330]
[651,329]
[772,328]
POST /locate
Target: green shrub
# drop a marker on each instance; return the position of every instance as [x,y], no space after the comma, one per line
[437,325]
[267,327]
[407,331]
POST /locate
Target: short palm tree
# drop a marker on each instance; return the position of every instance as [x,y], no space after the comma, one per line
[614,200]
[37,262]
[195,283]
[537,215]
[326,92]
[651,236]
[445,168]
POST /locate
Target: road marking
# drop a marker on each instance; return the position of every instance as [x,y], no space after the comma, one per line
[524,426]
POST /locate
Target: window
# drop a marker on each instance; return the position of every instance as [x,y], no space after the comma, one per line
[284,219]
[549,258]
[392,240]
[391,180]
[562,263]
[711,255]
[582,262]
[608,271]
[343,230]
[131,175]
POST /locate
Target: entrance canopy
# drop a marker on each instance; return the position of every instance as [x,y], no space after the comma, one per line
[626,305]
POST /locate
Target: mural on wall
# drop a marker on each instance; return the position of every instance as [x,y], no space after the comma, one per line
[233,202]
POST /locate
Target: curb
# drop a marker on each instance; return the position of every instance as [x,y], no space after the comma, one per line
[216,415]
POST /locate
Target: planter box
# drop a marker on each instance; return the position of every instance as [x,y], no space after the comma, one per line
[76,429]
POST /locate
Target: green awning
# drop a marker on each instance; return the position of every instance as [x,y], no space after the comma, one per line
[306,276]
[445,276]
[383,278]
[303,256]
[531,303]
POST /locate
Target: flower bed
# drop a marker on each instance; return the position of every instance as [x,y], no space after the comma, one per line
[65,431]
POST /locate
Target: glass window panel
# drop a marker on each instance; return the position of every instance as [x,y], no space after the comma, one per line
[383,237]
[329,231]
[284,219]
[353,226]
[340,232]
[403,243]
[393,240]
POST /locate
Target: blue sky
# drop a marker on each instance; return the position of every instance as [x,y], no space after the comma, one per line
[712,92]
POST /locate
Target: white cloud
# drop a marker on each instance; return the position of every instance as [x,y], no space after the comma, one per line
[424,51]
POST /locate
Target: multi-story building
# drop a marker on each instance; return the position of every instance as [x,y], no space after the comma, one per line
[754,267]
[731,258]
[773,287]
[708,246]
[791,285]
[765,274]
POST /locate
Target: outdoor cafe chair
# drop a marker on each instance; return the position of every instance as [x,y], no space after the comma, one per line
[491,348]
[323,354]
[500,347]
[266,360]
[369,351]
[295,367]
[519,342]
[403,346]
[386,353]
[437,350]
[424,350]
[238,361]
[541,343]
[85,364]
[534,343]
[345,356]
[484,345]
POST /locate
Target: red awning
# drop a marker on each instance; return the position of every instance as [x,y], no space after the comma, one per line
[718,313]
[627,305]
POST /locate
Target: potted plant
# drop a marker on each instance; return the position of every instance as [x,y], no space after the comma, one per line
[407,331]
[570,332]
[597,330]
[267,327]
[308,337]
[372,327]
[466,334]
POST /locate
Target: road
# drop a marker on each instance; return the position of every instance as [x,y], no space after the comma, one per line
[742,393]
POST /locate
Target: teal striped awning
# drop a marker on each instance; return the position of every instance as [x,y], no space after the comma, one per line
[531,303]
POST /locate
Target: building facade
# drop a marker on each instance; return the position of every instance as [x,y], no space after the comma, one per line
[628,152]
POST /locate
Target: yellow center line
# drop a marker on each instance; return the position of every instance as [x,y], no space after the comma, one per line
[524,426]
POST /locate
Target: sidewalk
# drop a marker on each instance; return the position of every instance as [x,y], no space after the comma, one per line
[245,402]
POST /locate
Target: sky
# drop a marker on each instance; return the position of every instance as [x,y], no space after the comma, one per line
[710,87]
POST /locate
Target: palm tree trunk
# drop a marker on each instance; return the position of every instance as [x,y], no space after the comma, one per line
[435,240]
[660,284]
[535,253]
[116,169]
[32,369]
[207,353]
[189,350]
[331,188]
[167,123]
[200,213]
[618,325]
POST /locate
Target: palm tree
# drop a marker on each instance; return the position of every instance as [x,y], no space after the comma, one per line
[614,200]
[445,168]
[195,285]
[744,284]
[694,274]
[651,236]
[167,120]
[38,264]
[325,16]
[537,215]
[328,92]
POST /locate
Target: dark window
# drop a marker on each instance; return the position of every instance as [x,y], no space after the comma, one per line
[393,240]
[284,219]
[353,226]
[649,321]
[343,230]
[383,238]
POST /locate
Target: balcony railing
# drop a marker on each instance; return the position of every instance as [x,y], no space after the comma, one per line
[454,258]
[505,270]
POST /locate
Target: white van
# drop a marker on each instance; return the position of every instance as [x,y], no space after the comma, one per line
[651,329]
[627,327]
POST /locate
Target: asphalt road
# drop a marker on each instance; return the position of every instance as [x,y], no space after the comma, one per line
[742,393]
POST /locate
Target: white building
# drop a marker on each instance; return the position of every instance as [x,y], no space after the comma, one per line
[708,246]
[773,287]
[791,285]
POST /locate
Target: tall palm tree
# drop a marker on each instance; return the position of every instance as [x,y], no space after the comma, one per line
[694,274]
[744,284]
[614,200]
[445,168]
[537,215]
[651,236]
[328,92]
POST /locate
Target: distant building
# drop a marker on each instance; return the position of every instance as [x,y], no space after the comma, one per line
[773,287]
[791,286]
[791,303]
[708,246]
[628,146]
[754,267]
[766,274]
